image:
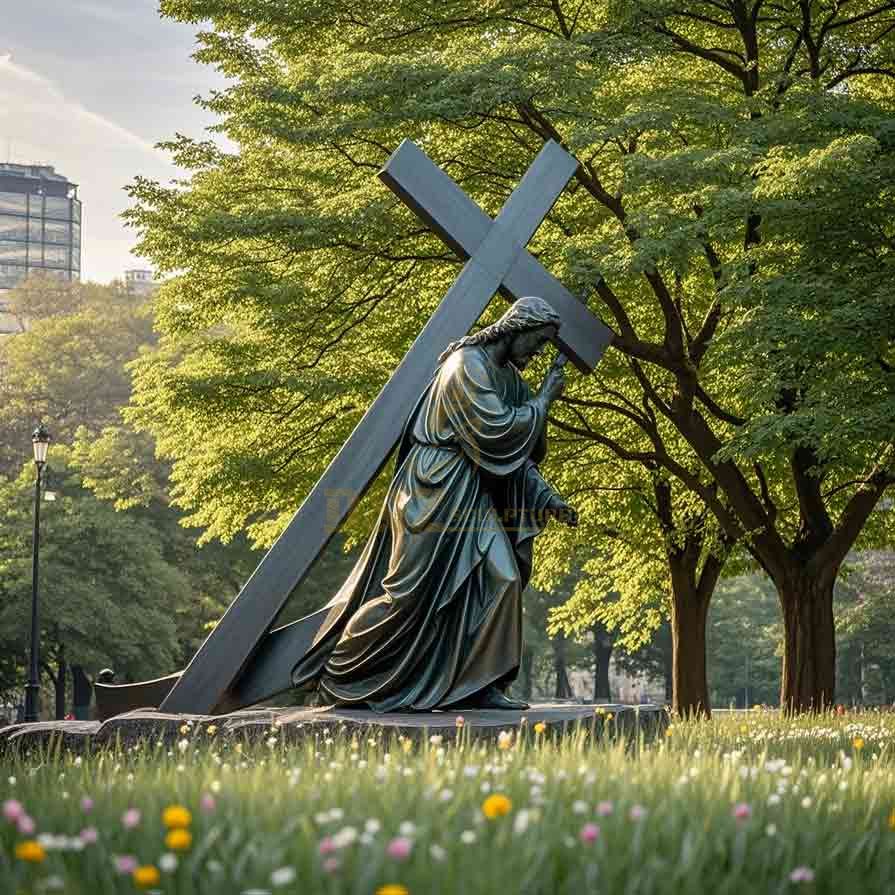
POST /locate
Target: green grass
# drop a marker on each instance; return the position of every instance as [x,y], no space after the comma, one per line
[815,797]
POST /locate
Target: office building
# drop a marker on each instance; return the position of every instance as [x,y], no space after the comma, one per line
[40,228]
[140,282]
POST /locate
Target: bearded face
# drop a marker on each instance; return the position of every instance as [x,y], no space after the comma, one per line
[526,345]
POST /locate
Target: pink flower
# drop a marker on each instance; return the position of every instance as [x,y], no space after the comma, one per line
[399,848]
[742,811]
[207,803]
[802,875]
[130,818]
[331,865]
[604,808]
[326,845]
[589,833]
[26,825]
[86,804]
[637,812]
[12,810]
[125,863]
[88,835]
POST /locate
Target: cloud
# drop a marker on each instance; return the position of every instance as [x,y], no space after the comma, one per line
[47,98]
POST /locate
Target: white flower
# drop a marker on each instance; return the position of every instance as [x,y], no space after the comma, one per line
[271,742]
[467,837]
[436,852]
[183,745]
[345,837]
[579,807]
[282,876]
[521,821]
[78,761]
[367,838]
[436,739]
[373,826]
[771,830]
[168,862]
[407,828]
[471,770]
[12,781]
[806,802]
[774,798]
[445,795]
[486,786]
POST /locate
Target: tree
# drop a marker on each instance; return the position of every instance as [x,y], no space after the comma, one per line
[106,591]
[731,213]
[69,367]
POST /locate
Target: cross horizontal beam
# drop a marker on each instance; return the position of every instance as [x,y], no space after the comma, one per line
[450,213]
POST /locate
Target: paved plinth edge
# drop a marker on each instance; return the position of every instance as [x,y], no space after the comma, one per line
[296,724]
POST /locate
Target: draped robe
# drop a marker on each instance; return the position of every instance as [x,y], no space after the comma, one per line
[432,611]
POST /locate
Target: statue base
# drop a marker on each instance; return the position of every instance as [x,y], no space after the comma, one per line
[297,723]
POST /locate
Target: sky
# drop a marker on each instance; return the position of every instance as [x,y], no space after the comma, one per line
[90,86]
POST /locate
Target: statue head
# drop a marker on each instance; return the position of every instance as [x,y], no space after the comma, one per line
[528,325]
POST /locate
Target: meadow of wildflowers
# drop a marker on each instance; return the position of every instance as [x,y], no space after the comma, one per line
[749,802]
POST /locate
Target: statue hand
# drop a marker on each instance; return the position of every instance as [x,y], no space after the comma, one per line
[554,383]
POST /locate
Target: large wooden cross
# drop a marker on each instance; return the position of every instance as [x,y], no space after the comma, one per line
[242,661]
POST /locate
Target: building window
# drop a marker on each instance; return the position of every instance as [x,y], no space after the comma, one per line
[12,252]
[12,227]
[35,229]
[76,210]
[56,256]
[15,203]
[57,231]
[56,207]
[76,234]
[10,275]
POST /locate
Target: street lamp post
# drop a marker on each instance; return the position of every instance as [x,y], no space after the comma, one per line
[40,441]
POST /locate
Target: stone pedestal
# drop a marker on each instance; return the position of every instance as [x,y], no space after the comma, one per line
[296,724]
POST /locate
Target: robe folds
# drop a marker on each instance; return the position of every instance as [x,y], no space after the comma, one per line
[432,611]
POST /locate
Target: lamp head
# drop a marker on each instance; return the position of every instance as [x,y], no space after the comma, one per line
[40,441]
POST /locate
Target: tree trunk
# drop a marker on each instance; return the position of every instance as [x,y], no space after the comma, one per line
[603,645]
[563,687]
[690,690]
[809,646]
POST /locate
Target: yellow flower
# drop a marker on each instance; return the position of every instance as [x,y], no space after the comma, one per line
[540,727]
[744,728]
[238,748]
[146,876]
[669,730]
[393,889]
[496,805]
[406,744]
[211,730]
[609,716]
[858,743]
[30,851]
[174,817]
[505,739]
[179,840]
[600,710]
[184,729]
[892,820]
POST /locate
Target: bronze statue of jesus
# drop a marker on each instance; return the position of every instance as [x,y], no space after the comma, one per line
[431,615]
